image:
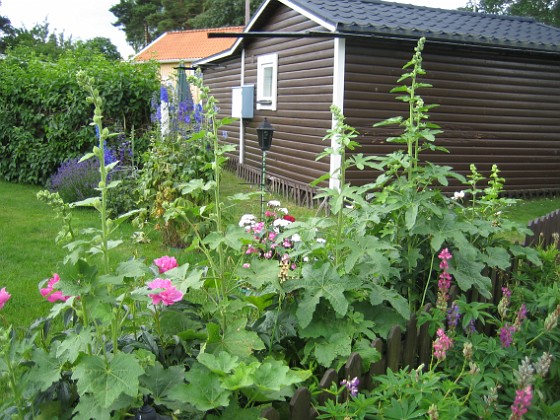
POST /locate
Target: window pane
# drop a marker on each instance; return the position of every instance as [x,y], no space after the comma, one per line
[267,82]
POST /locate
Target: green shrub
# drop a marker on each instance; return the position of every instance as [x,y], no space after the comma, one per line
[43,111]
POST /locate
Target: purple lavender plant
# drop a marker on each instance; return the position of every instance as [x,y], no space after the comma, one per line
[75,180]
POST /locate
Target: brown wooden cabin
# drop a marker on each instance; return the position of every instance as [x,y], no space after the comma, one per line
[496,79]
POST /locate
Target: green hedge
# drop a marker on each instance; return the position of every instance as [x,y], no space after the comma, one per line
[44,115]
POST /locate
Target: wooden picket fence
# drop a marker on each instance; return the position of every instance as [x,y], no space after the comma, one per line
[546,230]
[409,348]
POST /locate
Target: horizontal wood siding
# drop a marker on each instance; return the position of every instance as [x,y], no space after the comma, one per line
[302,118]
[494,108]
[221,79]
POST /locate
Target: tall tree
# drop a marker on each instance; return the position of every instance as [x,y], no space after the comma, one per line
[40,39]
[545,11]
[6,30]
[177,14]
[218,13]
[139,20]
[101,45]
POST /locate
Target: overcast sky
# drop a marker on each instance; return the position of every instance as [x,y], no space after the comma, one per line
[86,19]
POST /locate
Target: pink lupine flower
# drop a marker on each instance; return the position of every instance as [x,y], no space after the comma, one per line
[523,398]
[441,344]
[4,297]
[444,256]
[165,263]
[506,335]
[168,296]
[521,315]
[49,292]
[444,282]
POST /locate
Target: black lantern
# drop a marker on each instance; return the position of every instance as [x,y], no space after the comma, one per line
[264,134]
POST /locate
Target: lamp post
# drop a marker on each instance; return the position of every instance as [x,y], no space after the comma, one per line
[264,135]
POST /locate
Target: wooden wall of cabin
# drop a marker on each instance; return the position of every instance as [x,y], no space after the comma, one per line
[495,108]
[302,118]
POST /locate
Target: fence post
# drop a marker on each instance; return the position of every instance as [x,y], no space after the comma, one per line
[394,347]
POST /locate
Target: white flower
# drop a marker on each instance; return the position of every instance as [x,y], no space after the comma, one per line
[273,203]
[458,195]
[321,241]
[247,220]
[283,210]
[296,238]
[281,223]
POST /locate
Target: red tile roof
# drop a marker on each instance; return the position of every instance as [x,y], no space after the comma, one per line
[187,45]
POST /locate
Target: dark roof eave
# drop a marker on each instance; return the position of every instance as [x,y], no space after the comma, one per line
[443,40]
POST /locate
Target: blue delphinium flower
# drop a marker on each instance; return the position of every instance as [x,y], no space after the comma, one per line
[163,94]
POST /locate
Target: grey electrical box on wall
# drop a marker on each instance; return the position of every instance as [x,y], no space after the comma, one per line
[243,102]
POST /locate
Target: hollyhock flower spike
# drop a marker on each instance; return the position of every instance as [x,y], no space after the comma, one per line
[165,263]
[4,297]
[168,296]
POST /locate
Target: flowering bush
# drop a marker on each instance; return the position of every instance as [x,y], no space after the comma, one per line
[4,297]
[75,180]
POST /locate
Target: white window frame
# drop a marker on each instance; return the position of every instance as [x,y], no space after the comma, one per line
[266,61]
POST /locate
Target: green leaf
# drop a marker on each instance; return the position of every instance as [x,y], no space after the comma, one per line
[235,340]
[160,381]
[322,282]
[184,277]
[47,369]
[75,343]
[327,350]
[107,380]
[132,269]
[467,273]
[88,202]
[204,390]
[222,364]
[389,121]
[411,215]
[261,273]
[242,377]
[380,294]
[214,240]
[497,257]
[87,156]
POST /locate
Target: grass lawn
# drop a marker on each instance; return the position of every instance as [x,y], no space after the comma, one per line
[28,253]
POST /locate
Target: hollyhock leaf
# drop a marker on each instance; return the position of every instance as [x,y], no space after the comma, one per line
[411,216]
[235,340]
[88,202]
[261,273]
[242,377]
[380,294]
[214,240]
[222,364]
[70,348]
[47,369]
[323,282]
[107,380]
[236,238]
[132,269]
[467,273]
[497,257]
[87,405]
[234,412]
[204,390]
[338,344]
[160,381]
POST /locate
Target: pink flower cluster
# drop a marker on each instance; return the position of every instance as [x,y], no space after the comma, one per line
[165,263]
[444,282]
[441,344]
[266,243]
[51,294]
[4,297]
[506,334]
[523,398]
[168,294]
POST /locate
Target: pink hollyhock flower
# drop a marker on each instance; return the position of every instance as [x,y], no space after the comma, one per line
[49,292]
[4,297]
[165,263]
[168,296]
